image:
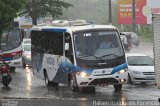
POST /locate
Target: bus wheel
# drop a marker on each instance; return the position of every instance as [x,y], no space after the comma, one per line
[12,69]
[118,87]
[47,82]
[73,86]
[24,65]
[129,79]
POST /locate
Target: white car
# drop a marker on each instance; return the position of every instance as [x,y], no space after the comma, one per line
[26,53]
[140,68]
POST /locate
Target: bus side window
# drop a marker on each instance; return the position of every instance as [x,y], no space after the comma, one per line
[69,53]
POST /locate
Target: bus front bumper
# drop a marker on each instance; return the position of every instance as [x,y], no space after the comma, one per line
[16,63]
[102,80]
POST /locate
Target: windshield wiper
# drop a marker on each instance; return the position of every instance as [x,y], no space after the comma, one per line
[109,55]
[90,56]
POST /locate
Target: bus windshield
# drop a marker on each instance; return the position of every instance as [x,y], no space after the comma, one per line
[10,39]
[97,45]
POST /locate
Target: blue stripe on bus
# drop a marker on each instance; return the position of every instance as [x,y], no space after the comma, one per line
[7,58]
[118,68]
[54,30]
[70,67]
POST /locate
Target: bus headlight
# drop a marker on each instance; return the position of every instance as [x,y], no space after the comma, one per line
[28,56]
[82,74]
[122,71]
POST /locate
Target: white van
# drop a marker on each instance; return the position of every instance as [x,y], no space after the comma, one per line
[68,52]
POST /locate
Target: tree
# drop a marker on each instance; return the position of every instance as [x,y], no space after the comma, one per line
[41,8]
[9,10]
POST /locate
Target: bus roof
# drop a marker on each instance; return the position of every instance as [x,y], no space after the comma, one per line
[55,28]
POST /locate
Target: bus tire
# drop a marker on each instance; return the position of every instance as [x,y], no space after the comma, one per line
[47,82]
[54,84]
[118,87]
[73,86]
[12,69]
[129,79]
[24,65]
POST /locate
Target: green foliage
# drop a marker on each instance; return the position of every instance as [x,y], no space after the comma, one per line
[41,8]
[143,31]
[9,10]
[146,34]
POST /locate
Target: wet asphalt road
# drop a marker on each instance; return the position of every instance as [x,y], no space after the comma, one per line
[27,90]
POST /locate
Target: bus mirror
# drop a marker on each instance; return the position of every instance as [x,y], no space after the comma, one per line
[66,46]
[121,33]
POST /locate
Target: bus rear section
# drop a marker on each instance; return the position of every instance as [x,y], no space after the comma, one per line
[11,47]
[74,56]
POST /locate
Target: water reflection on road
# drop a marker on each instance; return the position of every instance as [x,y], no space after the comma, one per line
[25,85]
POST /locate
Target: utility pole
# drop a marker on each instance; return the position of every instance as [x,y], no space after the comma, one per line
[86,9]
[110,12]
[133,16]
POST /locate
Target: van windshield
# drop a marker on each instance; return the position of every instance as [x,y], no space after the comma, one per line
[101,45]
